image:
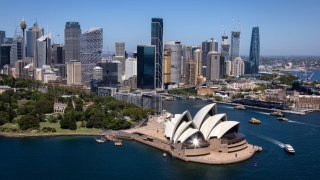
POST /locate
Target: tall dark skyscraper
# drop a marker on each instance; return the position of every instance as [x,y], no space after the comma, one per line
[72,34]
[206,47]
[146,67]
[157,40]
[254,56]
[4,54]
[2,36]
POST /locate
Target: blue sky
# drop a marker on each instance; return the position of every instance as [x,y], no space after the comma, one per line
[287,27]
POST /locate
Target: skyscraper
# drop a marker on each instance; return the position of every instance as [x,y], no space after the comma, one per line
[73,72]
[157,41]
[187,56]
[146,67]
[120,55]
[254,56]
[120,49]
[130,67]
[167,67]
[90,52]
[213,66]
[238,67]
[44,51]
[58,54]
[176,55]
[224,55]
[34,33]
[2,36]
[206,47]
[111,73]
[72,34]
[16,51]
[4,54]
[197,57]
[235,44]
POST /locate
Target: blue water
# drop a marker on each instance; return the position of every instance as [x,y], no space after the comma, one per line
[82,158]
[313,75]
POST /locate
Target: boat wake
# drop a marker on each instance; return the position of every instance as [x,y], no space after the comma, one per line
[306,124]
[227,107]
[260,112]
[276,142]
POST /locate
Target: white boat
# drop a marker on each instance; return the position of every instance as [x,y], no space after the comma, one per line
[118,143]
[164,154]
[289,148]
[101,140]
[241,107]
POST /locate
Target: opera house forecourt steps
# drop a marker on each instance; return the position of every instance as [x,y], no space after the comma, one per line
[207,138]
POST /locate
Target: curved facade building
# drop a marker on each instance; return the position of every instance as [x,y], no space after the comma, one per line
[208,131]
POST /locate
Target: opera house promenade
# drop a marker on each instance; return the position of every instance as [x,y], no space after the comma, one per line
[207,138]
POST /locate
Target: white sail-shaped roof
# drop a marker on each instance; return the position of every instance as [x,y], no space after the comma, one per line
[177,122]
[181,129]
[210,123]
[202,113]
[188,133]
[169,128]
[222,128]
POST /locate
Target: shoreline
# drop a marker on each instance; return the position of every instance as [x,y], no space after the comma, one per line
[26,135]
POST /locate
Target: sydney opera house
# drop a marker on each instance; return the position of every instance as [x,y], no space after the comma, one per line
[207,138]
[207,132]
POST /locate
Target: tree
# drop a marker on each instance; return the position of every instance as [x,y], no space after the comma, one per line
[68,121]
[28,122]
[4,118]
[218,98]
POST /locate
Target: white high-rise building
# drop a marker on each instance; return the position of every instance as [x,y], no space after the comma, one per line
[97,73]
[228,65]
[213,66]
[237,67]
[44,50]
[73,72]
[131,67]
[197,57]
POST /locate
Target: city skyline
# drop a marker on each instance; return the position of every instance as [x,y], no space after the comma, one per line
[129,22]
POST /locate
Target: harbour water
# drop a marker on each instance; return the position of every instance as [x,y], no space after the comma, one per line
[82,158]
[313,75]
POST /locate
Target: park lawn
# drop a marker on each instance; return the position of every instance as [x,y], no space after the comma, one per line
[80,130]
[59,130]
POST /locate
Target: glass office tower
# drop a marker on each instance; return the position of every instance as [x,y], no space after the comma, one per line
[146,67]
[157,41]
[254,56]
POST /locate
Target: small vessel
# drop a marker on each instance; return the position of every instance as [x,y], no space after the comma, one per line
[289,148]
[255,121]
[192,97]
[164,154]
[241,107]
[282,119]
[118,143]
[276,113]
[101,140]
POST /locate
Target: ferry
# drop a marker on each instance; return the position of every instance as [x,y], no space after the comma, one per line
[276,113]
[255,121]
[289,148]
[282,119]
[241,107]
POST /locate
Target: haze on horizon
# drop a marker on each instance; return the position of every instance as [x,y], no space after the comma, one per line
[287,27]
